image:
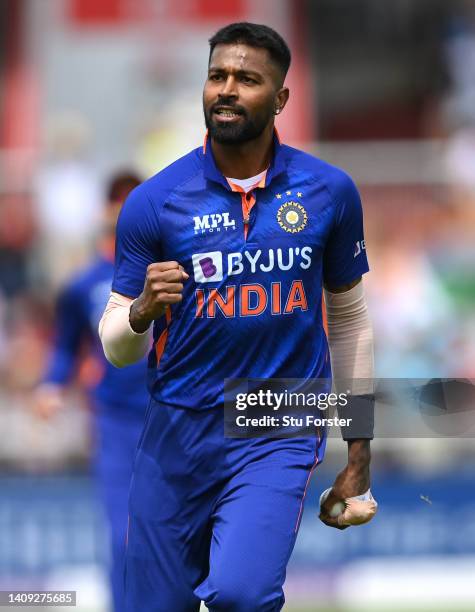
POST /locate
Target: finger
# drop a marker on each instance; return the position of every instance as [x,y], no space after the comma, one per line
[331,522]
[164,265]
[185,275]
[358,512]
[170,288]
[167,276]
[171,298]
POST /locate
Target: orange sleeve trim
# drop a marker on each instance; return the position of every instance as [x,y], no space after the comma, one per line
[324,316]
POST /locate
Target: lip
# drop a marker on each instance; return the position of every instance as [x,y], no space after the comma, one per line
[225,119]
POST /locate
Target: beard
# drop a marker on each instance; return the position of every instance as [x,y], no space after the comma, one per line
[247,128]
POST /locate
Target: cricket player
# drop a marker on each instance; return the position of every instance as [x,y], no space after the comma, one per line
[119,398]
[223,257]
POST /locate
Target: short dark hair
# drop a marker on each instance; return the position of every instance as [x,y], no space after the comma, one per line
[120,185]
[254,35]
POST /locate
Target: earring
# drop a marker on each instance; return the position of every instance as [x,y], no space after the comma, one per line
[277,111]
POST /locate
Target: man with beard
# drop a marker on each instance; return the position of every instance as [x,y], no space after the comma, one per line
[225,253]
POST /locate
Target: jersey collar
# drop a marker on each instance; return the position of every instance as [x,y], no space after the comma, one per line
[276,167]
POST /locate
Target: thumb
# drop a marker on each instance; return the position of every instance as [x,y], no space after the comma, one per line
[183,273]
[358,512]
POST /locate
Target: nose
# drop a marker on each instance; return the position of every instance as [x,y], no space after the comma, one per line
[228,89]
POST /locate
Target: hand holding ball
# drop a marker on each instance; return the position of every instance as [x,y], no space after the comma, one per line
[353,510]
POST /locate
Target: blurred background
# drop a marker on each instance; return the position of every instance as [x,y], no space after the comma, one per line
[385,90]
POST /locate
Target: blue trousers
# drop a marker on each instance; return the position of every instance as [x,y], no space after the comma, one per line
[117,432]
[212,518]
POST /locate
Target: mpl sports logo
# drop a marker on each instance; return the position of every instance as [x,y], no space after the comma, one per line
[215,222]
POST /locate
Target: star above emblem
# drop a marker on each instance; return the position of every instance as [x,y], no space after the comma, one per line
[299,194]
[288,193]
[279,196]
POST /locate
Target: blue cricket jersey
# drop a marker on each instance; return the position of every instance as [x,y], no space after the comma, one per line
[79,309]
[252,307]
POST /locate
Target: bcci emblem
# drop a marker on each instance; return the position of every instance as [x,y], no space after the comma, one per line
[292,217]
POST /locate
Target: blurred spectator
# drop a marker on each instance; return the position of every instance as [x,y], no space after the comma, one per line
[17,233]
[69,203]
[118,397]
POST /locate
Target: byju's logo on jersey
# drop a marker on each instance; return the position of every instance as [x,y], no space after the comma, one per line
[216,222]
[208,267]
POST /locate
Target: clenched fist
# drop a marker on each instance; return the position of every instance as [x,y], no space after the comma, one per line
[163,286]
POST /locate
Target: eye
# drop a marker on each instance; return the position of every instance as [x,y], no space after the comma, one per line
[247,80]
[215,77]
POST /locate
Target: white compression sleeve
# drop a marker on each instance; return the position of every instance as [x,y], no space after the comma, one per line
[122,346]
[350,336]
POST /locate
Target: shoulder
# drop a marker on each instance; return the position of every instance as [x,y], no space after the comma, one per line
[173,177]
[339,183]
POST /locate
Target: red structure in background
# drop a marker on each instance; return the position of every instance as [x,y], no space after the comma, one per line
[298,123]
[18,119]
[114,12]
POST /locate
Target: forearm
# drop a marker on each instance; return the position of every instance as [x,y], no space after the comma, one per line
[350,337]
[123,345]
[359,459]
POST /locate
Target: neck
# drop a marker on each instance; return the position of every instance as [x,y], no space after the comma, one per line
[246,159]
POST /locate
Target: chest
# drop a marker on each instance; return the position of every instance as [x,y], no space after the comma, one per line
[288,219]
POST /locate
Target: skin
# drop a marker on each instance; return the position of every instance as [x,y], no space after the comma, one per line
[246,79]
[239,77]
[354,479]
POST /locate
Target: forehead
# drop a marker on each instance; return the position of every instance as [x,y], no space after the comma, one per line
[238,56]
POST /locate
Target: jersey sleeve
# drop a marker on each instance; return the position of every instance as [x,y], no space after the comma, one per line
[344,257]
[137,243]
[70,330]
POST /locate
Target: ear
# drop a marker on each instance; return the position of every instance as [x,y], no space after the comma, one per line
[281,99]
